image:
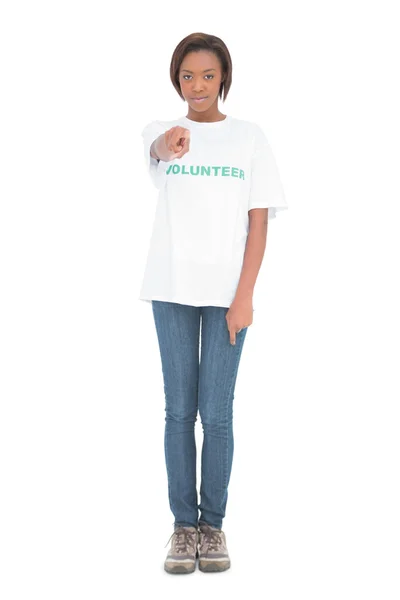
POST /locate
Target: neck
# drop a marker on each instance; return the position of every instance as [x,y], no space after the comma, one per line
[210,115]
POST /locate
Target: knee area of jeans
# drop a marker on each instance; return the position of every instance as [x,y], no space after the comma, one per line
[217,424]
[180,419]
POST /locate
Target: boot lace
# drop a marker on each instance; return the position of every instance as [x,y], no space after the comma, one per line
[183,538]
[213,538]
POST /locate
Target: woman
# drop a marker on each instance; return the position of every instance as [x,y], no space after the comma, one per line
[218,186]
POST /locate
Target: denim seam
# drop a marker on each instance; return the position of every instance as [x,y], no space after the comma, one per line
[230,401]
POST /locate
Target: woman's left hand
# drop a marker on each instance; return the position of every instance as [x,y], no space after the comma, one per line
[239,316]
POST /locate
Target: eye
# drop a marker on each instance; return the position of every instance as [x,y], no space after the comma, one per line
[209,75]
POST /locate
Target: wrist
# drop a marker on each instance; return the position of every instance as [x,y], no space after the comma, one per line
[153,152]
[243,295]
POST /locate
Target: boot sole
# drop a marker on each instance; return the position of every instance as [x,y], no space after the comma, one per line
[179,570]
[214,567]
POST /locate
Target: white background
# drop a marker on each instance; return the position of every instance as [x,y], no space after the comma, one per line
[313,508]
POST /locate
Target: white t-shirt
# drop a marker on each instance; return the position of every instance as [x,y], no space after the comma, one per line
[201,222]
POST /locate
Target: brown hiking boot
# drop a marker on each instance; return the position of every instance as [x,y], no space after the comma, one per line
[181,557]
[213,553]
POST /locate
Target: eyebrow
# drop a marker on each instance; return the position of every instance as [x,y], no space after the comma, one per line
[187,70]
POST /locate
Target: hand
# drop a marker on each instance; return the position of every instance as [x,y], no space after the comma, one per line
[239,315]
[174,143]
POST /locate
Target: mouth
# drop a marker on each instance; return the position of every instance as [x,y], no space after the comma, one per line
[198,100]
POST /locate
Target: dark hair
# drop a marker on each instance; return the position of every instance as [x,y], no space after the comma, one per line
[202,41]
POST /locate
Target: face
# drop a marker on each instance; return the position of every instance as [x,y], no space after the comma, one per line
[200,77]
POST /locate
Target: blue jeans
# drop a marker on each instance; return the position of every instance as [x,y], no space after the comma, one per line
[194,381]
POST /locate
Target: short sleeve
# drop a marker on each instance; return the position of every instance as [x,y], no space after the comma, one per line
[155,168]
[266,189]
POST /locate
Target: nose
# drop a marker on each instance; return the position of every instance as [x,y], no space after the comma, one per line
[197,86]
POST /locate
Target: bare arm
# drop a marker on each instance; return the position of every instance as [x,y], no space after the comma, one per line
[254,252]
